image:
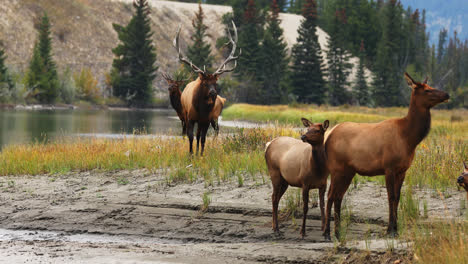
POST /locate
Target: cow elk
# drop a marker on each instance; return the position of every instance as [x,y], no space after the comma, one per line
[385,148]
[216,113]
[300,164]
[174,96]
[463,179]
[199,97]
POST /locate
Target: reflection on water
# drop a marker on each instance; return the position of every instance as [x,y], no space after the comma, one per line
[22,126]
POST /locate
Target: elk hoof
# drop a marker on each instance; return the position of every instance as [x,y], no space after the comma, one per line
[392,233]
[326,235]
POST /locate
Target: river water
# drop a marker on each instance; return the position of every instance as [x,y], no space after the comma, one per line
[24,126]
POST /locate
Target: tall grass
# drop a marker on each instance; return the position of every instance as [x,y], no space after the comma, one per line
[441,242]
[240,153]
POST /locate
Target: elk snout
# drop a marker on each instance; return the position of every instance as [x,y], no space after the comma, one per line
[447,96]
[303,138]
[460,180]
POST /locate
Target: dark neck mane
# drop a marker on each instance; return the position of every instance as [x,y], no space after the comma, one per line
[319,158]
[199,102]
[417,124]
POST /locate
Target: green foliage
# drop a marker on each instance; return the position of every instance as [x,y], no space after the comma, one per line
[339,67]
[67,87]
[86,85]
[42,78]
[307,76]
[360,89]
[5,78]
[133,69]
[275,59]
[390,59]
[199,52]
[249,41]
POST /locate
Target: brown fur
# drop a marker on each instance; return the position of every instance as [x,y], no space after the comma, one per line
[198,100]
[380,148]
[174,96]
[299,164]
[199,97]
[216,113]
[463,179]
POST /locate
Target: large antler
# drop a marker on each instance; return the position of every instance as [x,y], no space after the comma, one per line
[182,58]
[222,69]
[166,76]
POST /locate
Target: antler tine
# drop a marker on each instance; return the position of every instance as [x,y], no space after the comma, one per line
[222,69]
[166,76]
[183,59]
[425,80]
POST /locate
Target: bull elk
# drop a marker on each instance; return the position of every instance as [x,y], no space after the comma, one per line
[298,163]
[385,148]
[463,179]
[199,97]
[174,96]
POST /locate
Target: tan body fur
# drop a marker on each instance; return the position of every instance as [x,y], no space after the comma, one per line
[294,162]
[385,148]
[216,113]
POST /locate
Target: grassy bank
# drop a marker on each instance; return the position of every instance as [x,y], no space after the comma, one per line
[232,157]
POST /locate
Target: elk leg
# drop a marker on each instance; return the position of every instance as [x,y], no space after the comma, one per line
[184,127]
[198,136]
[204,130]
[305,208]
[326,231]
[389,183]
[338,187]
[190,134]
[322,204]
[278,190]
[394,183]
[214,124]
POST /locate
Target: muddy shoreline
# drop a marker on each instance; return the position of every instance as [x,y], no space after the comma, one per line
[136,216]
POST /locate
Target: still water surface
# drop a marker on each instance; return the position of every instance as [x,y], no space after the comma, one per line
[24,126]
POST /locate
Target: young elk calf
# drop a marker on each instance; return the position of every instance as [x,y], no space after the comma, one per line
[299,164]
[463,179]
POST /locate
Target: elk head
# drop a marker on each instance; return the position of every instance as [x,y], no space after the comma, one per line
[463,178]
[209,80]
[174,85]
[425,96]
[315,132]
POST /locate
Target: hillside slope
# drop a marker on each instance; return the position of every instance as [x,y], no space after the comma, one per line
[83,35]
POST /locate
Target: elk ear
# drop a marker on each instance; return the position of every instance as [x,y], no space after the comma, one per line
[411,83]
[325,125]
[306,122]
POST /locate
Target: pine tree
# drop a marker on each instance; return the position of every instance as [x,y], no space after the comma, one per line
[389,67]
[42,74]
[307,76]
[339,67]
[295,6]
[249,42]
[275,59]
[4,76]
[200,51]
[133,69]
[360,89]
